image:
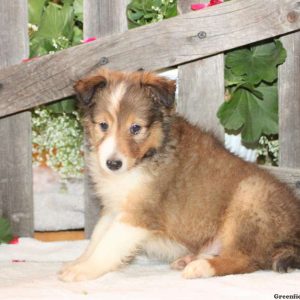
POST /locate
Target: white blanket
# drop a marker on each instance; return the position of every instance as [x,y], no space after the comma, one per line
[28,271]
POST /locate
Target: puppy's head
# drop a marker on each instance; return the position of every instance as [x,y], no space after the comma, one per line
[125,115]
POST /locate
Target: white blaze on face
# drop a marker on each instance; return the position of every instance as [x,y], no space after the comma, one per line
[108,150]
[116,96]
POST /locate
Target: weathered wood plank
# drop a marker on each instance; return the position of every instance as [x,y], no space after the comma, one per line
[101,18]
[201,87]
[104,17]
[289,103]
[290,176]
[171,42]
[201,92]
[16,196]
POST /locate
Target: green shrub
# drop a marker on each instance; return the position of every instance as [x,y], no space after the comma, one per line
[56,130]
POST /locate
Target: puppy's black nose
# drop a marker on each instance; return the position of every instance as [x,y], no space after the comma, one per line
[114,164]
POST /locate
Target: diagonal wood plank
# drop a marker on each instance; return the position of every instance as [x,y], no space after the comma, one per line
[168,43]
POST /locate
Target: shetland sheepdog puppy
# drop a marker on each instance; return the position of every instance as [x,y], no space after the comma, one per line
[170,189]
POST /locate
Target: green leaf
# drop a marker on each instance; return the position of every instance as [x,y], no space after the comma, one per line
[229,114]
[149,16]
[258,63]
[232,79]
[57,21]
[77,36]
[156,3]
[171,11]
[250,115]
[68,2]
[135,5]
[252,89]
[78,10]
[35,10]
[64,106]
[133,16]
[142,12]
[5,231]
[147,5]
[41,46]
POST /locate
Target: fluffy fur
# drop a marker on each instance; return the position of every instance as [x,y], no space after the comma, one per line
[177,194]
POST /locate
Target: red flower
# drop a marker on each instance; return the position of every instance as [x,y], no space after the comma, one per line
[15,240]
[215,2]
[198,6]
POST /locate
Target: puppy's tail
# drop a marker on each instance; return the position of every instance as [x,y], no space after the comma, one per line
[286,256]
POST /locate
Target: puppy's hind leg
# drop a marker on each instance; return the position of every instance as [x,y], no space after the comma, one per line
[218,266]
[286,257]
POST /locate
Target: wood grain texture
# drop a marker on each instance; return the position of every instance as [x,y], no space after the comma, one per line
[201,93]
[201,88]
[104,17]
[16,196]
[289,103]
[101,18]
[184,6]
[164,44]
[54,236]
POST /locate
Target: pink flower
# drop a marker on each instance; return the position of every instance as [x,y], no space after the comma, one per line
[29,59]
[88,40]
[198,6]
[14,241]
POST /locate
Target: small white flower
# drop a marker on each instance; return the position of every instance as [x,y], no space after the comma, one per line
[33,27]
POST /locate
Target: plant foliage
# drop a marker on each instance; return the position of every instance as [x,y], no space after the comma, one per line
[57,26]
[251,82]
[57,141]
[142,12]
[57,134]
[5,231]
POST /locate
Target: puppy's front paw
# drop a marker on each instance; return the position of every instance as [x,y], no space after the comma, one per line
[198,268]
[80,271]
[66,265]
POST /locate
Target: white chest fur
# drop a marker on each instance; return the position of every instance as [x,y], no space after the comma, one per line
[114,189]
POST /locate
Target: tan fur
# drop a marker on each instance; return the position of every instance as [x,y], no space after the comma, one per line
[184,192]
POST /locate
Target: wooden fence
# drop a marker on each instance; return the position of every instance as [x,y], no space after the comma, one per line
[194,41]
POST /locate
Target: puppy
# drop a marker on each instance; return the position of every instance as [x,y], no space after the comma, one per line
[171,190]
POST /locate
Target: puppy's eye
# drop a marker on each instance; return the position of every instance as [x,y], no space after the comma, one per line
[135,129]
[103,126]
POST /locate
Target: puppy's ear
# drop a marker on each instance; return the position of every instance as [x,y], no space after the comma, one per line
[160,89]
[86,88]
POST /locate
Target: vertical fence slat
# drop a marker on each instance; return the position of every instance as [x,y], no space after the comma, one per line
[16,197]
[201,88]
[101,18]
[289,103]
